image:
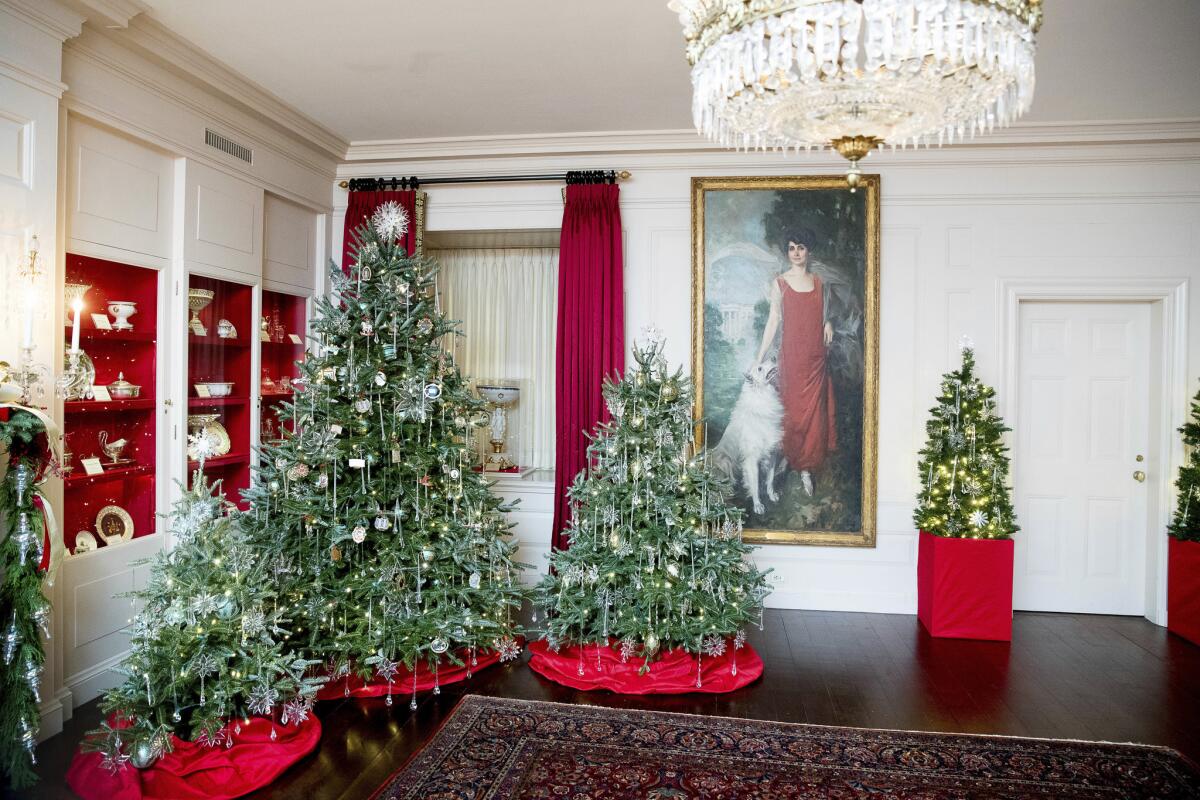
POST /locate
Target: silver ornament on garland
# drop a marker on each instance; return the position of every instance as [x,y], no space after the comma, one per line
[433,391]
[359,534]
[380,379]
[474,580]
[382,523]
[439,645]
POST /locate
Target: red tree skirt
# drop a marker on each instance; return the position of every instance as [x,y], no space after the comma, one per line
[447,672]
[673,673]
[194,771]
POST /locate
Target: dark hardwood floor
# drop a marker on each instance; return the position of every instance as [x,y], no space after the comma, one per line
[1117,679]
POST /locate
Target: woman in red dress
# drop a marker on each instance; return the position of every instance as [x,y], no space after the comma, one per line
[798,304]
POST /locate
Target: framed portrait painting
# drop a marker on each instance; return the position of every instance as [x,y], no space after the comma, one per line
[785,351]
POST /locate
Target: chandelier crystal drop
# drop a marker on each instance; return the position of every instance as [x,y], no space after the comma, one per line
[856,74]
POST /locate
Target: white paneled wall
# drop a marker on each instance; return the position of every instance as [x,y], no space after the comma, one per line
[120,196]
[956,224]
[223,224]
[30,89]
[290,236]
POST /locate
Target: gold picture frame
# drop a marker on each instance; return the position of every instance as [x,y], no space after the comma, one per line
[828,518]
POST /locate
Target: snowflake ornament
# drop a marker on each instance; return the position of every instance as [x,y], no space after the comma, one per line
[386,668]
[295,711]
[651,337]
[390,221]
[628,648]
[713,646]
[262,699]
[739,640]
[508,649]
[114,762]
[212,738]
[978,519]
[254,623]
[202,445]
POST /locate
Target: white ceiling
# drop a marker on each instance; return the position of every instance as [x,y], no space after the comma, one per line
[405,69]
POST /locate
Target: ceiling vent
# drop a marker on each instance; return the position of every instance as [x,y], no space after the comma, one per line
[225,145]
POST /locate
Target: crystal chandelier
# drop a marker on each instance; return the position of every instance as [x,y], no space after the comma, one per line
[856,74]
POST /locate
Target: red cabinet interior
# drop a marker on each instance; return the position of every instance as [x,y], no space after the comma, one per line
[284,316]
[133,353]
[213,358]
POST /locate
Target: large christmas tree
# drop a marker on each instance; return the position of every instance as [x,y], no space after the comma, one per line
[398,548]
[209,644]
[656,560]
[1186,523]
[964,464]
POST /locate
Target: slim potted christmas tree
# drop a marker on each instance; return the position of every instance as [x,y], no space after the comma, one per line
[964,513]
[656,587]
[1183,561]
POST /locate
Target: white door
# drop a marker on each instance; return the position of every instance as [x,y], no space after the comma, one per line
[1082,424]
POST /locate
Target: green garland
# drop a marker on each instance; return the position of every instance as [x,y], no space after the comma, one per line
[1186,523]
[23,608]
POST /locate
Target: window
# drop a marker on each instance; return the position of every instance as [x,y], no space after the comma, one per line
[506,300]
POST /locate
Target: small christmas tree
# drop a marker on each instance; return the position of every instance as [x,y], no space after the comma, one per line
[656,560]
[400,550]
[964,464]
[1186,523]
[209,645]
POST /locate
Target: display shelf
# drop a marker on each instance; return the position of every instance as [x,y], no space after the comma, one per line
[212,402]
[101,335]
[98,406]
[284,316]
[212,359]
[120,474]
[90,424]
[231,460]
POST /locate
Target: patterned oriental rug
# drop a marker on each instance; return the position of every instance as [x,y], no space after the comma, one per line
[500,749]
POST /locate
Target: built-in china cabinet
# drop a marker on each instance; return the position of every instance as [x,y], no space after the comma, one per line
[186,298]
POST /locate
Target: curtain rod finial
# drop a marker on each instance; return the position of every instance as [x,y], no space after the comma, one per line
[344,184]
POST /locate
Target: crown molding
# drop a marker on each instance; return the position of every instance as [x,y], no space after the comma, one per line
[48,16]
[154,40]
[688,141]
[109,13]
[32,79]
[115,56]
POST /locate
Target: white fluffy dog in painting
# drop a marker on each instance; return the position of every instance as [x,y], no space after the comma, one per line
[752,441]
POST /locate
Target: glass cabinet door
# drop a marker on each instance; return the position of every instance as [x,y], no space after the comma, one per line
[220,328]
[282,336]
[109,404]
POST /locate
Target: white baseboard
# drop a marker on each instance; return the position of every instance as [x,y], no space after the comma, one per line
[91,683]
[50,718]
[860,601]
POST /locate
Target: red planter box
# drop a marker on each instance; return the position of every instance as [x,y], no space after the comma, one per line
[1183,589]
[965,587]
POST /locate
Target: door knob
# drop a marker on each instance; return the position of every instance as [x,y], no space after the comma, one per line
[1139,476]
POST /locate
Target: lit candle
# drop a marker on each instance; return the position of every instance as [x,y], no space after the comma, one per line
[77,305]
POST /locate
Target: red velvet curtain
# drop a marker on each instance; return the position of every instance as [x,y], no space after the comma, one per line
[591,329]
[362,205]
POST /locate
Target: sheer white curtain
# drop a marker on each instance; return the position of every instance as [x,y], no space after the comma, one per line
[506,300]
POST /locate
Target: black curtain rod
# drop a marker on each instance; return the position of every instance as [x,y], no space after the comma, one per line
[413,182]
